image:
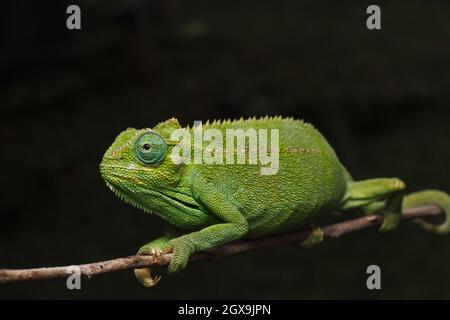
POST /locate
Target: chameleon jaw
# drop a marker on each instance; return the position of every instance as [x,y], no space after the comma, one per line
[121,195]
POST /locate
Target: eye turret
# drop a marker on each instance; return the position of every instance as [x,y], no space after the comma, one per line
[150,148]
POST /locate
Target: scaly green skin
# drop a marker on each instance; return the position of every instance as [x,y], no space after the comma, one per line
[209,205]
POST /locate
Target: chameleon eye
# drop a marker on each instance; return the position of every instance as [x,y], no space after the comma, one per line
[150,148]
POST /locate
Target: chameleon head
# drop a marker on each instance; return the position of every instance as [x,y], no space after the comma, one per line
[137,167]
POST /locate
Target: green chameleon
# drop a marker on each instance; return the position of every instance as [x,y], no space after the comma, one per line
[206,205]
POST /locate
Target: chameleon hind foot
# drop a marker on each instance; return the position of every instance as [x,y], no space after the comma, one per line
[391,221]
[393,211]
[314,238]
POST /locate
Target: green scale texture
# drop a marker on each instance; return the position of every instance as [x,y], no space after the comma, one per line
[208,205]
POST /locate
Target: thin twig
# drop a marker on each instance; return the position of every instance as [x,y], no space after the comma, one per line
[136,262]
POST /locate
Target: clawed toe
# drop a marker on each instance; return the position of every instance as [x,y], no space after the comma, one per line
[145,277]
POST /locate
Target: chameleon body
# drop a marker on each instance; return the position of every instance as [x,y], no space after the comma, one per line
[206,205]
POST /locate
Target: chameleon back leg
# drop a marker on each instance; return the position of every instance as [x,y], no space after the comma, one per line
[368,192]
[367,197]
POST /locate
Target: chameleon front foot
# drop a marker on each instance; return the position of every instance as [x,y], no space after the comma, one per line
[144,275]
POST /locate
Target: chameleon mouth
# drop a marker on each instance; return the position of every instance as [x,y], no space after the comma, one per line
[185,204]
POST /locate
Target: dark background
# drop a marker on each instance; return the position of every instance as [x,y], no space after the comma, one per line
[381,98]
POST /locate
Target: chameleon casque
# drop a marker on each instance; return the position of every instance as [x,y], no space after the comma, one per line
[209,205]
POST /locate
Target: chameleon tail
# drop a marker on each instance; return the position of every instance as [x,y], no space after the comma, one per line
[437,197]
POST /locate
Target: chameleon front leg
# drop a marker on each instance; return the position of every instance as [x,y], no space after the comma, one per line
[233,227]
[369,193]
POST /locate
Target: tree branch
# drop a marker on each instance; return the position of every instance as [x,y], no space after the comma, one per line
[132,262]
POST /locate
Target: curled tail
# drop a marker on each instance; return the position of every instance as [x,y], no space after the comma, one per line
[436,197]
